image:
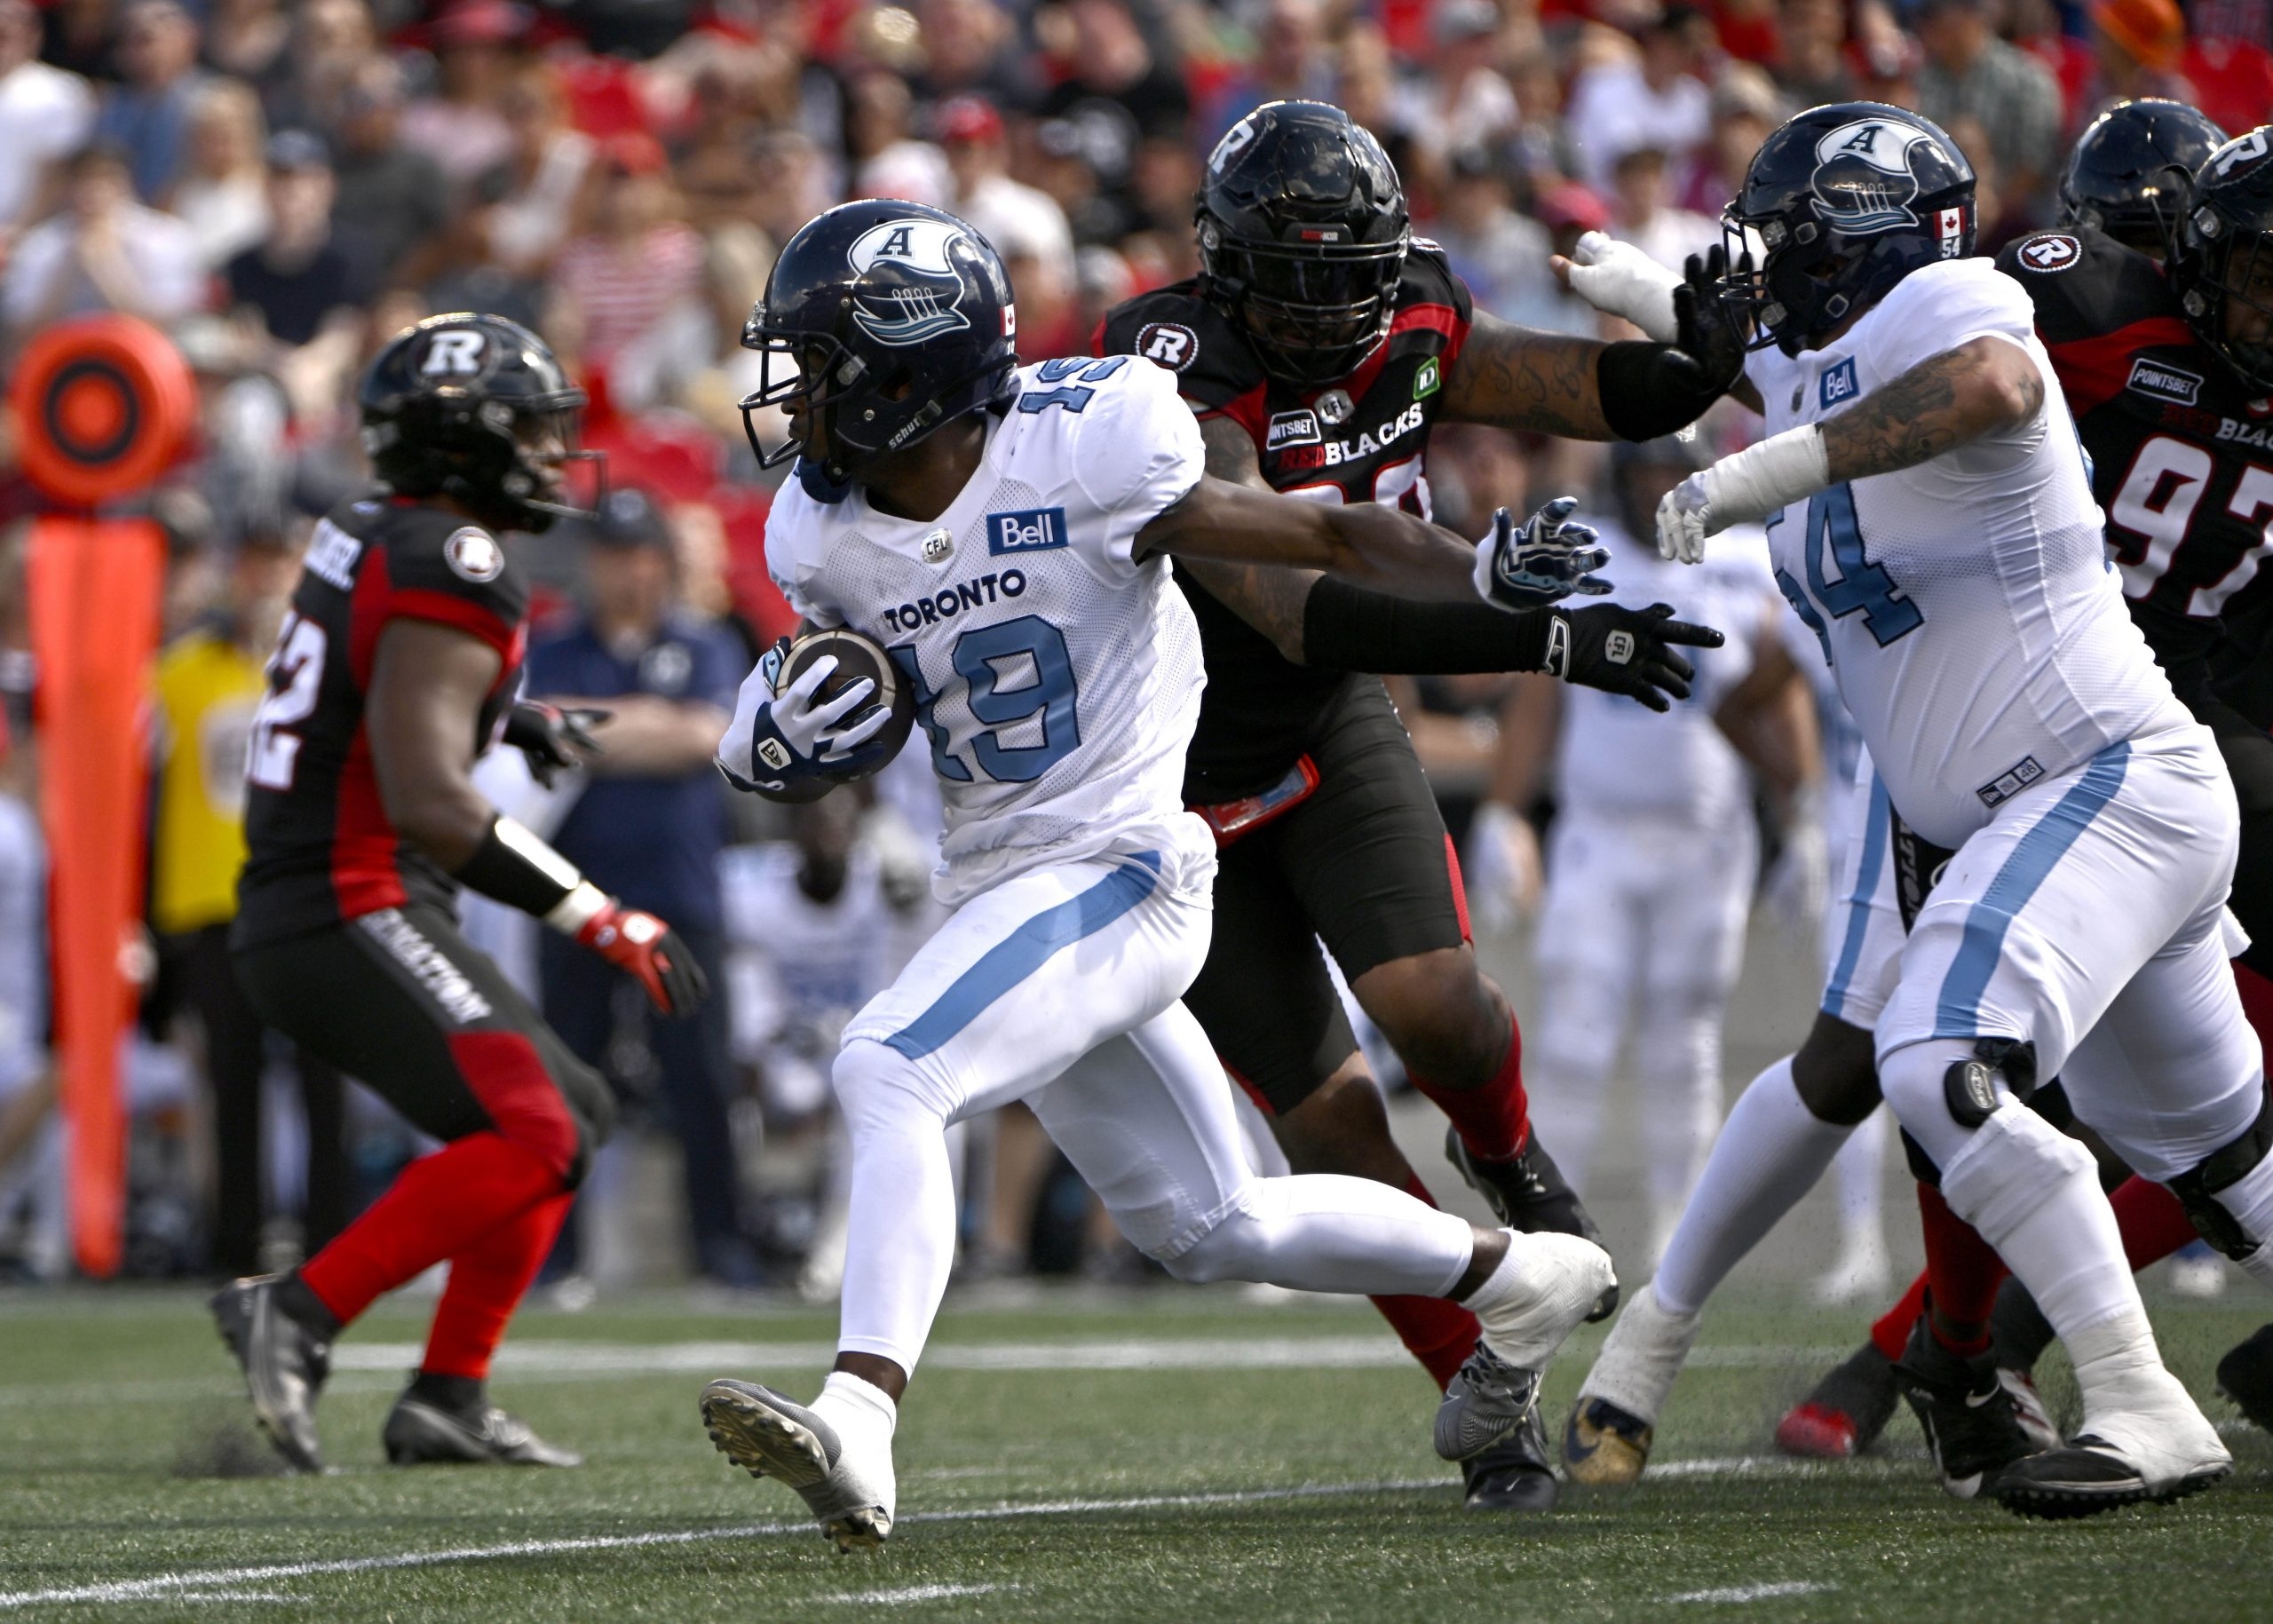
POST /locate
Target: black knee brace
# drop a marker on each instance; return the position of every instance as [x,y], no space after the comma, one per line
[2197,1189]
[1970,1089]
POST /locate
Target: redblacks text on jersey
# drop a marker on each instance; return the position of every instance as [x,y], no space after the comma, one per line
[322,847]
[2182,453]
[1363,439]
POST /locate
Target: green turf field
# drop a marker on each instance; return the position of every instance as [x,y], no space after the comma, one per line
[1063,1457]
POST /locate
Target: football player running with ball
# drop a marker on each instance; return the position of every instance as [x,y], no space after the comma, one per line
[1005,531]
[1319,347]
[395,668]
[1931,516]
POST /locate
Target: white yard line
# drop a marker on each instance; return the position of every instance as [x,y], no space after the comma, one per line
[371,1367]
[1753,1593]
[910,1593]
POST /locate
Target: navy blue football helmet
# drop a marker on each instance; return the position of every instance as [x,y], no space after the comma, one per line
[886,319]
[2129,167]
[1847,200]
[2222,255]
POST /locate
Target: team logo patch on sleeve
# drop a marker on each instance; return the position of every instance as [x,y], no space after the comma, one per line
[2050,250]
[1169,344]
[1027,530]
[474,554]
[1839,385]
[2173,383]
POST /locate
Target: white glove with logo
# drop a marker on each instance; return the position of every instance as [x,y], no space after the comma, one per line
[1541,561]
[1620,280]
[782,742]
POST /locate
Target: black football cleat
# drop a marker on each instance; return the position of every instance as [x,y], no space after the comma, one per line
[1845,1412]
[1513,1474]
[2089,1475]
[1529,1192]
[284,1363]
[1968,1415]
[422,1434]
[2245,1376]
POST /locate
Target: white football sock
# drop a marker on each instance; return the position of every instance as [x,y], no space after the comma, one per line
[1770,1153]
[865,1418]
[899,1241]
[1860,1170]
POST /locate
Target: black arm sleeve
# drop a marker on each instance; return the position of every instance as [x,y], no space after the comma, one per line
[1347,628]
[1648,389]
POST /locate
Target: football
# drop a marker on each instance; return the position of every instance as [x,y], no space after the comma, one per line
[857,655]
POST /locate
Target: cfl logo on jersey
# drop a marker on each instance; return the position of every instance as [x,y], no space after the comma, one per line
[1168,344]
[2173,383]
[920,299]
[1295,428]
[1862,181]
[1839,385]
[1028,530]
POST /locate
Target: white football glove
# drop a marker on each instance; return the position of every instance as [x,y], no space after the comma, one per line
[781,740]
[1620,280]
[1684,519]
[1541,561]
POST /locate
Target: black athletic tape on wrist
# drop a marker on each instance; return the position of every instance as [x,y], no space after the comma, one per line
[1347,628]
[519,871]
[1650,390]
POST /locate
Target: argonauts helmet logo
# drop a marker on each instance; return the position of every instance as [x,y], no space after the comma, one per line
[1863,179]
[910,287]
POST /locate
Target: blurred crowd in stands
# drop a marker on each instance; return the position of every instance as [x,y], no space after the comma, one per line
[283,184]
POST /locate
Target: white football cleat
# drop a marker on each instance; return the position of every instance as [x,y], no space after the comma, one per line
[1607,1439]
[770,1435]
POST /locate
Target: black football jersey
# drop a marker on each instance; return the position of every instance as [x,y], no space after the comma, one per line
[321,847]
[1363,440]
[2181,452]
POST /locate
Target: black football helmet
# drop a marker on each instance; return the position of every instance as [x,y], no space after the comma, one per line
[884,319]
[1302,235]
[2129,164]
[2222,255]
[1847,200]
[460,406]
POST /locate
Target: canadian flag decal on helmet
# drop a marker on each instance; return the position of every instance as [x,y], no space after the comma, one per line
[1863,181]
[911,287]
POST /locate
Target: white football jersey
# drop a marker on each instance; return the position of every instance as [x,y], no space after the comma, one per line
[1615,756]
[1967,606]
[1056,680]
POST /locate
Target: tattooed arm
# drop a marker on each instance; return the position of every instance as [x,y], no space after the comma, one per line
[1980,388]
[1515,377]
[1268,597]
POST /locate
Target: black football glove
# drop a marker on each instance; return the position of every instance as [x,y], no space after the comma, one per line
[1708,330]
[552,738]
[1627,651]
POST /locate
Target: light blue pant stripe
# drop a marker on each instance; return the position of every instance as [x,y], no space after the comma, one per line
[1026,950]
[1957,1012]
[1858,906]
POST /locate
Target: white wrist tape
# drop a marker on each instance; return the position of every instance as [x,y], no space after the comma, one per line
[1761,478]
[574,911]
[1620,279]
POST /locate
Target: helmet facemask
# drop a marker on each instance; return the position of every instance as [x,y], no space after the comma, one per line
[2233,283]
[1315,310]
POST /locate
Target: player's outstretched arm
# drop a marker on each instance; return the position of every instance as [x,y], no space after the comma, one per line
[1367,543]
[1517,378]
[429,682]
[1982,387]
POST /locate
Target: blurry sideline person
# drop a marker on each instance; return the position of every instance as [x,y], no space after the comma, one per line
[102,250]
[1651,858]
[210,683]
[649,827]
